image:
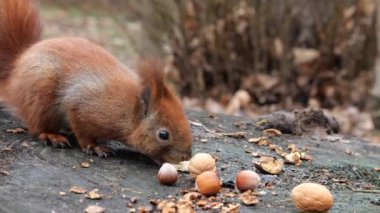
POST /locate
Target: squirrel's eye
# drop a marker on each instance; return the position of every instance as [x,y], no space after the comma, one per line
[163,134]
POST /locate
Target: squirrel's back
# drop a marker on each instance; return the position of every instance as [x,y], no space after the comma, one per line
[20,27]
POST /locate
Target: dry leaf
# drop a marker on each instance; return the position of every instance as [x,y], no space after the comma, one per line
[94,195]
[367,6]
[16,130]
[85,165]
[304,55]
[278,48]
[270,165]
[94,209]
[240,99]
[249,199]
[77,190]
[272,132]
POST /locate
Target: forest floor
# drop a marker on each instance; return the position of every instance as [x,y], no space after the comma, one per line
[38,178]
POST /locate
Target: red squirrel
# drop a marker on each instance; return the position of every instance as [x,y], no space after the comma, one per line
[72,81]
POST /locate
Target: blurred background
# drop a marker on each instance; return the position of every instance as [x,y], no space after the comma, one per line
[245,57]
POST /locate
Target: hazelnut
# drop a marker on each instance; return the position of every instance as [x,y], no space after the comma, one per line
[312,197]
[208,183]
[201,162]
[246,180]
[167,175]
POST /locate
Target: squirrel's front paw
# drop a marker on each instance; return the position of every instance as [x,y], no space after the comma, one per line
[55,139]
[101,151]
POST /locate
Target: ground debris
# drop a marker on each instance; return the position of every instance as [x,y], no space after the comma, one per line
[77,190]
[94,209]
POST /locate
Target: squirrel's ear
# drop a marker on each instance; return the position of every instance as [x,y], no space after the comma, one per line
[152,75]
[144,100]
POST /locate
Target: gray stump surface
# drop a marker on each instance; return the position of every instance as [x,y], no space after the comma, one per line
[33,175]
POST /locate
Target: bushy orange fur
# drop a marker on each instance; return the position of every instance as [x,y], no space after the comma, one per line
[72,82]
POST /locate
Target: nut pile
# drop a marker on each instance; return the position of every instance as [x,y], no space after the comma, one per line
[208,193]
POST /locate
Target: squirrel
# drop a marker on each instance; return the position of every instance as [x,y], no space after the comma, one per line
[70,81]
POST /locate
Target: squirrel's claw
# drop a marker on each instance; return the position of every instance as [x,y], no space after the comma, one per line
[55,139]
[101,151]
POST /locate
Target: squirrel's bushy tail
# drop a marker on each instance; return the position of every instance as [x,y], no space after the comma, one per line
[20,27]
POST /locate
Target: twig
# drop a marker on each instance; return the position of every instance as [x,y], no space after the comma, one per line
[230,134]
[364,190]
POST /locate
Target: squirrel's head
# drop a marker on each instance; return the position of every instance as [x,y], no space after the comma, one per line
[163,131]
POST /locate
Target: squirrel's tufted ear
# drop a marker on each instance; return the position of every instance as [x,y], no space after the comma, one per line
[144,100]
[152,76]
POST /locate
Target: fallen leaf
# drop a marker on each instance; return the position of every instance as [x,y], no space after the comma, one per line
[6,149]
[94,195]
[240,99]
[272,132]
[270,165]
[77,190]
[304,55]
[94,209]
[16,130]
